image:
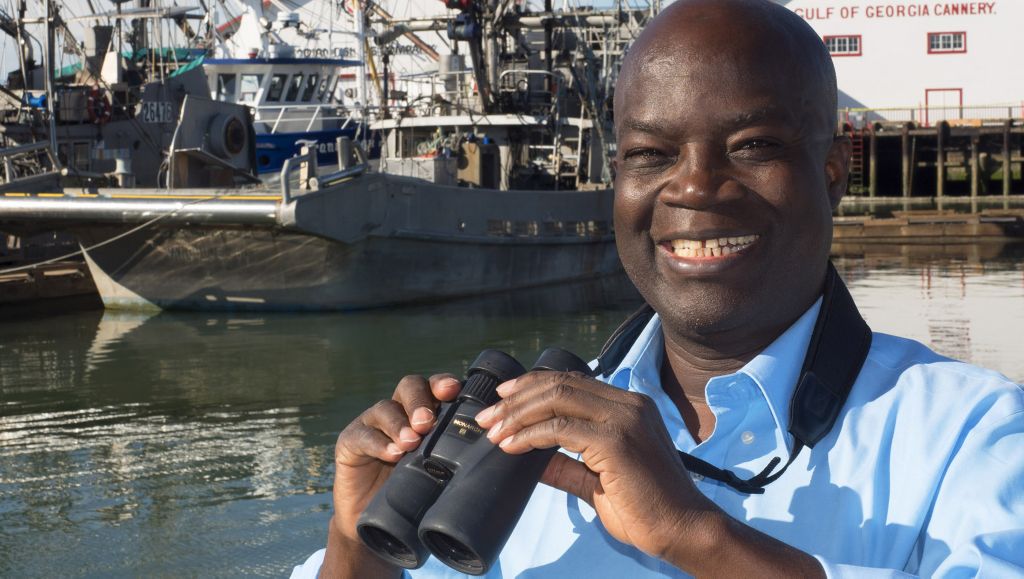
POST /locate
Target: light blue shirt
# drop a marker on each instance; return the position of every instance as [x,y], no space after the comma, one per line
[923,473]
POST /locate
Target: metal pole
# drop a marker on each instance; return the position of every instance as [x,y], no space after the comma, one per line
[940,158]
[975,166]
[1007,165]
[364,96]
[873,160]
[905,155]
[48,77]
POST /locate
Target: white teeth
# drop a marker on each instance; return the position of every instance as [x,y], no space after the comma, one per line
[711,247]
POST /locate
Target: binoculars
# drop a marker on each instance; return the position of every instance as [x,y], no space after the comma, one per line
[458,496]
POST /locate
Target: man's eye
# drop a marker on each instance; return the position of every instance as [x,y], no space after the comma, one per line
[645,157]
[757,149]
[758,144]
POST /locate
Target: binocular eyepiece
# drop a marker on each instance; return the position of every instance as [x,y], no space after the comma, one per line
[458,496]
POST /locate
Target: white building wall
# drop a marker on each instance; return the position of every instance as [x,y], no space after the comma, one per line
[895,68]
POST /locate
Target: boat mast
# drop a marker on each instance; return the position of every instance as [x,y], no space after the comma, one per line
[364,97]
[48,71]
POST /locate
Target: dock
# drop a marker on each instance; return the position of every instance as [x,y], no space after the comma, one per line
[935,227]
[953,158]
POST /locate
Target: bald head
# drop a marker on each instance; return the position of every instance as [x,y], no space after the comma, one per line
[732,39]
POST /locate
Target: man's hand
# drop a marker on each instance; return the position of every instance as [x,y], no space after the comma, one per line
[632,475]
[631,472]
[365,455]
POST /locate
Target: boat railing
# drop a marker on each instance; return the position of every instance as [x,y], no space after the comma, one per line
[352,161]
[306,164]
[290,114]
[926,116]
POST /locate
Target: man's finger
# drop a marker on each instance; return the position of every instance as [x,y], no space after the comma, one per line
[445,387]
[572,476]
[360,444]
[560,400]
[414,394]
[389,417]
[547,386]
[572,434]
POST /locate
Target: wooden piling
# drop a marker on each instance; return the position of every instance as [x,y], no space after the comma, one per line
[905,155]
[941,129]
[872,162]
[975,165]
[1007,165]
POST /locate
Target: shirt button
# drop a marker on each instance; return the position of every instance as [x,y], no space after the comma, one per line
[747,437]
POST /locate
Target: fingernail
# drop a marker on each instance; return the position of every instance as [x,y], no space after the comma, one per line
[506,442]
[448,383]
[422,415]
[485,414]
[494,430]
[392,448]
[505,387]
[407,434]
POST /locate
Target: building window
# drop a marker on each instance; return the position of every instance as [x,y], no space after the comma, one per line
[947,42]
[843,45]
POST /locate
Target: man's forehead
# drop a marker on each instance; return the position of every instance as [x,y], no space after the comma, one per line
[723,48]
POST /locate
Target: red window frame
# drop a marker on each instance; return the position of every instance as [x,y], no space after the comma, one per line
[928,40]
[860,44]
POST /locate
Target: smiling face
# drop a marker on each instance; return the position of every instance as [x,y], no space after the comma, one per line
[726,169]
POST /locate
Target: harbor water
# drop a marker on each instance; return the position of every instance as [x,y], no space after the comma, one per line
[178,445]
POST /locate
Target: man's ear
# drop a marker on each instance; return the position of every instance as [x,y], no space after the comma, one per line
[837,168]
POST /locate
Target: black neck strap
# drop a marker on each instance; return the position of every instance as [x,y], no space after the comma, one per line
[839,345]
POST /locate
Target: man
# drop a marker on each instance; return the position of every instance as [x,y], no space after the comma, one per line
[727,173]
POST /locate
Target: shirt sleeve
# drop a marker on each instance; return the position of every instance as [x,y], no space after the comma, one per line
[311,568]
[976,524]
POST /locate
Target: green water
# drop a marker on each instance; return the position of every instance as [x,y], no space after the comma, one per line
[200,444]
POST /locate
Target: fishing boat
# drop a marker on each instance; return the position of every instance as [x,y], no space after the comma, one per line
[278,66]
[497,180]
[108,105]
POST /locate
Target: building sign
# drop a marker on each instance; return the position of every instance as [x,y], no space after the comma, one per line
[911,10]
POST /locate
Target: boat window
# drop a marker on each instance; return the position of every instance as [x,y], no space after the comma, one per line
[250,87]
[322,89]
[276,87]
[226,87]
[334,88]
[307,94]
[293,88]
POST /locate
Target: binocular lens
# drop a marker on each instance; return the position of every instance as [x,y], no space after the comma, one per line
[453,553]
[383,542]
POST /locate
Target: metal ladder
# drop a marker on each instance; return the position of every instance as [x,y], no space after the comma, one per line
[856,162]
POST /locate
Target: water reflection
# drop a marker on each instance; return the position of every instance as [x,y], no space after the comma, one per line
[168,444]
[200,444]
[965,301]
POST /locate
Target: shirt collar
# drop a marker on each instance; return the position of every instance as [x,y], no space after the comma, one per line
[775,370]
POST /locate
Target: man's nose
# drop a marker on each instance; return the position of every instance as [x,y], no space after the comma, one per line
[699,180]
